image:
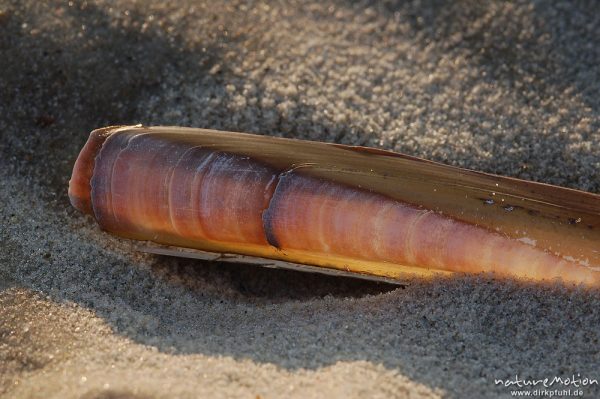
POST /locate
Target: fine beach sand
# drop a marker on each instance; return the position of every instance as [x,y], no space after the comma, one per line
[508,88]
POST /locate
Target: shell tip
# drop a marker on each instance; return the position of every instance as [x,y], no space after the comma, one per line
[79,185]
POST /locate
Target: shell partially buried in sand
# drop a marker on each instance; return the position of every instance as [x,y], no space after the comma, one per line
[351,208]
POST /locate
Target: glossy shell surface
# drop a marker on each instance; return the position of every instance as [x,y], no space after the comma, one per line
[350,208]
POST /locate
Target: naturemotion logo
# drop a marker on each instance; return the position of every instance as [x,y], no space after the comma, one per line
[555,386]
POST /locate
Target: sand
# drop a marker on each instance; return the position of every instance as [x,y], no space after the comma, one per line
[508,88]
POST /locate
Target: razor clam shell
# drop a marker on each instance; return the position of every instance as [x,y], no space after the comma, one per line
[559,221]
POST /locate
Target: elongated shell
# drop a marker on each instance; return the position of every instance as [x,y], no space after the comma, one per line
[351,208]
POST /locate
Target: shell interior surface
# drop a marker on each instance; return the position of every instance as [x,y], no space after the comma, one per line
[349,208]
